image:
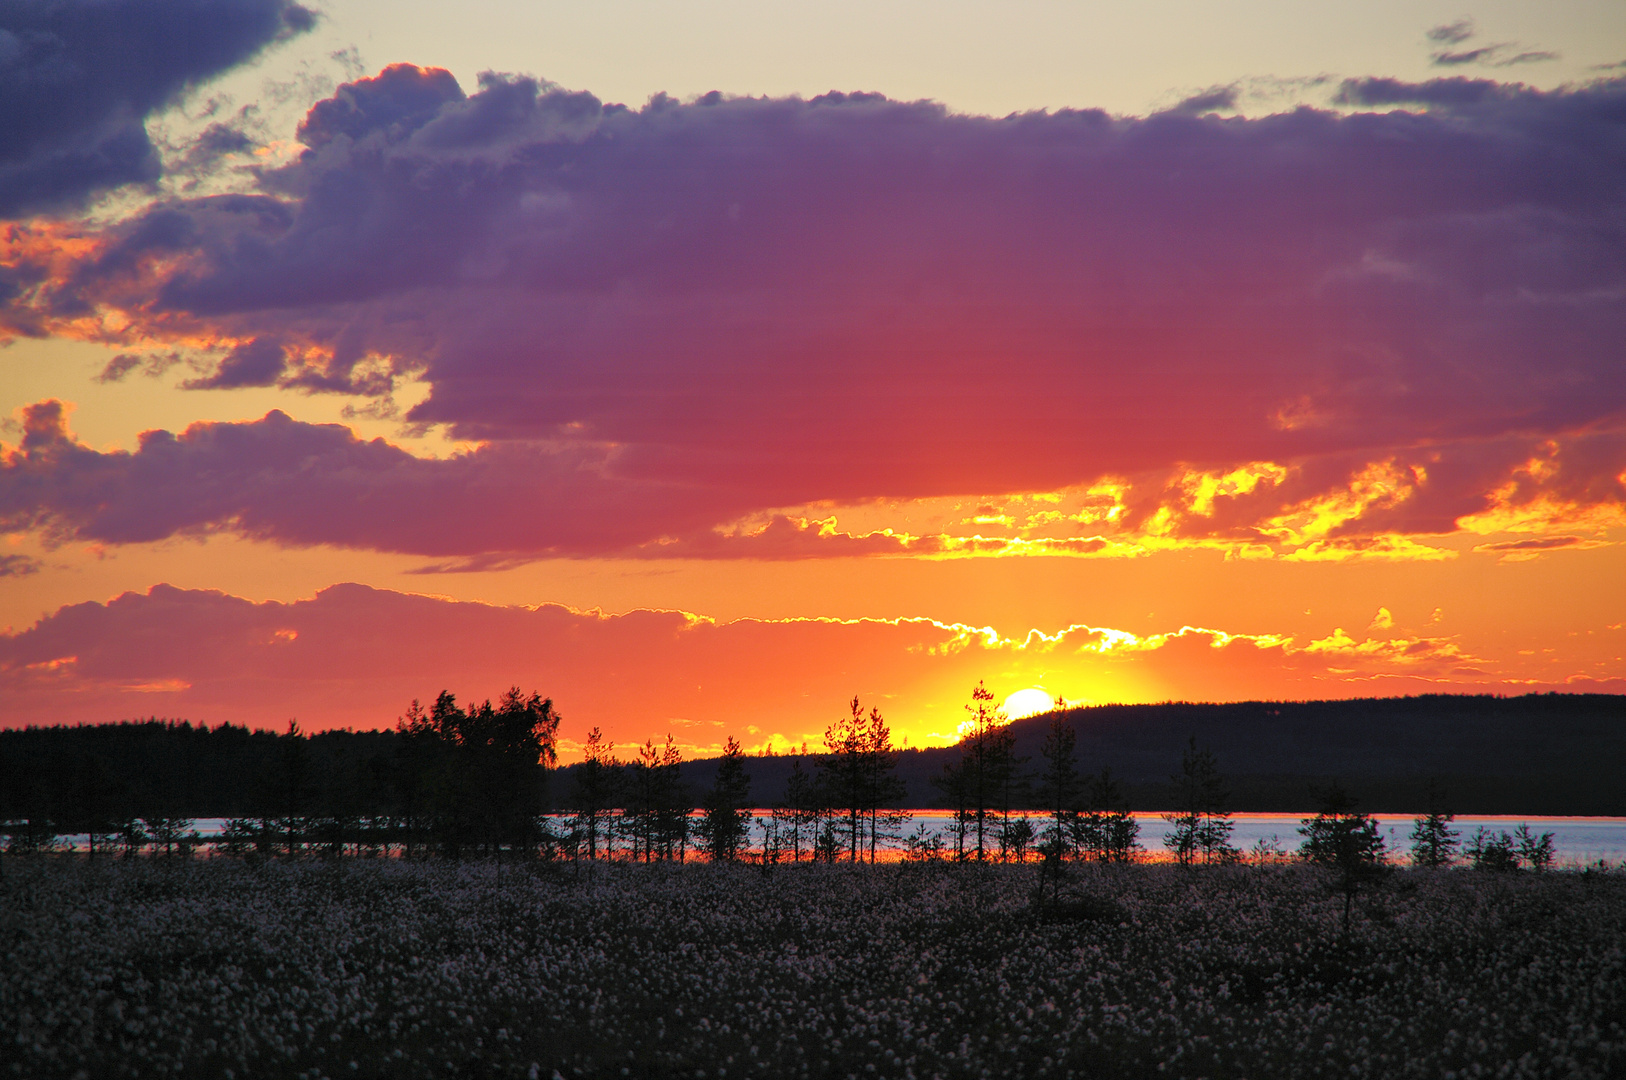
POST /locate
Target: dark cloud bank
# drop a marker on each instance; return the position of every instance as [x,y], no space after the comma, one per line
[663,318]
[78,79]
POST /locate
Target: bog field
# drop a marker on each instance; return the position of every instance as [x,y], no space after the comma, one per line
[393,968]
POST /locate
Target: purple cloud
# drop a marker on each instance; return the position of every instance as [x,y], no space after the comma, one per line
[1452,33]
[18,566]
[766,302]
[1214,99]
[79,77]
[1539,543]
[300,484]
[392,104]
[1496,55]
[257,362]
[508,502]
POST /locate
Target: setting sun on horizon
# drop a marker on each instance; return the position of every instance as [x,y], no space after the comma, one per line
[1030,701]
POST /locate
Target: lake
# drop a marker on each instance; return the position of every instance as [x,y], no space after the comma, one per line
[1576,840]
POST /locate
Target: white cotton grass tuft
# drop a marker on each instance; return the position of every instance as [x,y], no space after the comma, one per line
[401,969]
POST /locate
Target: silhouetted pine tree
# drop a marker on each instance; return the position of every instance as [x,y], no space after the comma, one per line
[1107,831]
[1014,790]
[842,772]
[1015,837]
[881,783]
[654,815]
[413,780]
[1537,851]
[859,777]
[291,790]
[987,762]
[673,805]
[953,783]
[1343,840]
[171,836]
[724,827]
[1059,789]
[802,810]
[93,802]
[639,813]
[1491,851]
[1433,841]
[593,794]
[1202,824]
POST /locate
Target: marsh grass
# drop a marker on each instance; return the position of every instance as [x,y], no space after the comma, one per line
[397,969]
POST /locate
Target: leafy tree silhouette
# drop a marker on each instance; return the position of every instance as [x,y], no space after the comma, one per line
[477,776]
[512,748]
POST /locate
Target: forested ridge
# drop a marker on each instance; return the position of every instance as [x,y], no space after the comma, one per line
[1547,753]
[1530,754]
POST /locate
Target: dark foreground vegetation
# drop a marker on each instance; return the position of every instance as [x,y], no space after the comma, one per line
[401,969]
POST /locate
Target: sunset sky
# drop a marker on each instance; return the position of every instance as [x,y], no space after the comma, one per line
[703,365]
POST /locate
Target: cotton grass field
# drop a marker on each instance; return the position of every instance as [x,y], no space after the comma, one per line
[389,968]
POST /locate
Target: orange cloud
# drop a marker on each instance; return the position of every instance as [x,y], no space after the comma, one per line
[355,656]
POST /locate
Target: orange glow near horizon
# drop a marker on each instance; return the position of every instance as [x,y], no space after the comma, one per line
[353,656]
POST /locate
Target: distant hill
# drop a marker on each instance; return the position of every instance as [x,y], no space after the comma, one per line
[1534,754]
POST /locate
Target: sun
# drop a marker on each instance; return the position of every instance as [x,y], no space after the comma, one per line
[1029,702]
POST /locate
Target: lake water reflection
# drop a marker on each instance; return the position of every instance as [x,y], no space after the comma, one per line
[1576,840]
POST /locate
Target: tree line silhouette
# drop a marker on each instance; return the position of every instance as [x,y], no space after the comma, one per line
[458,781]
